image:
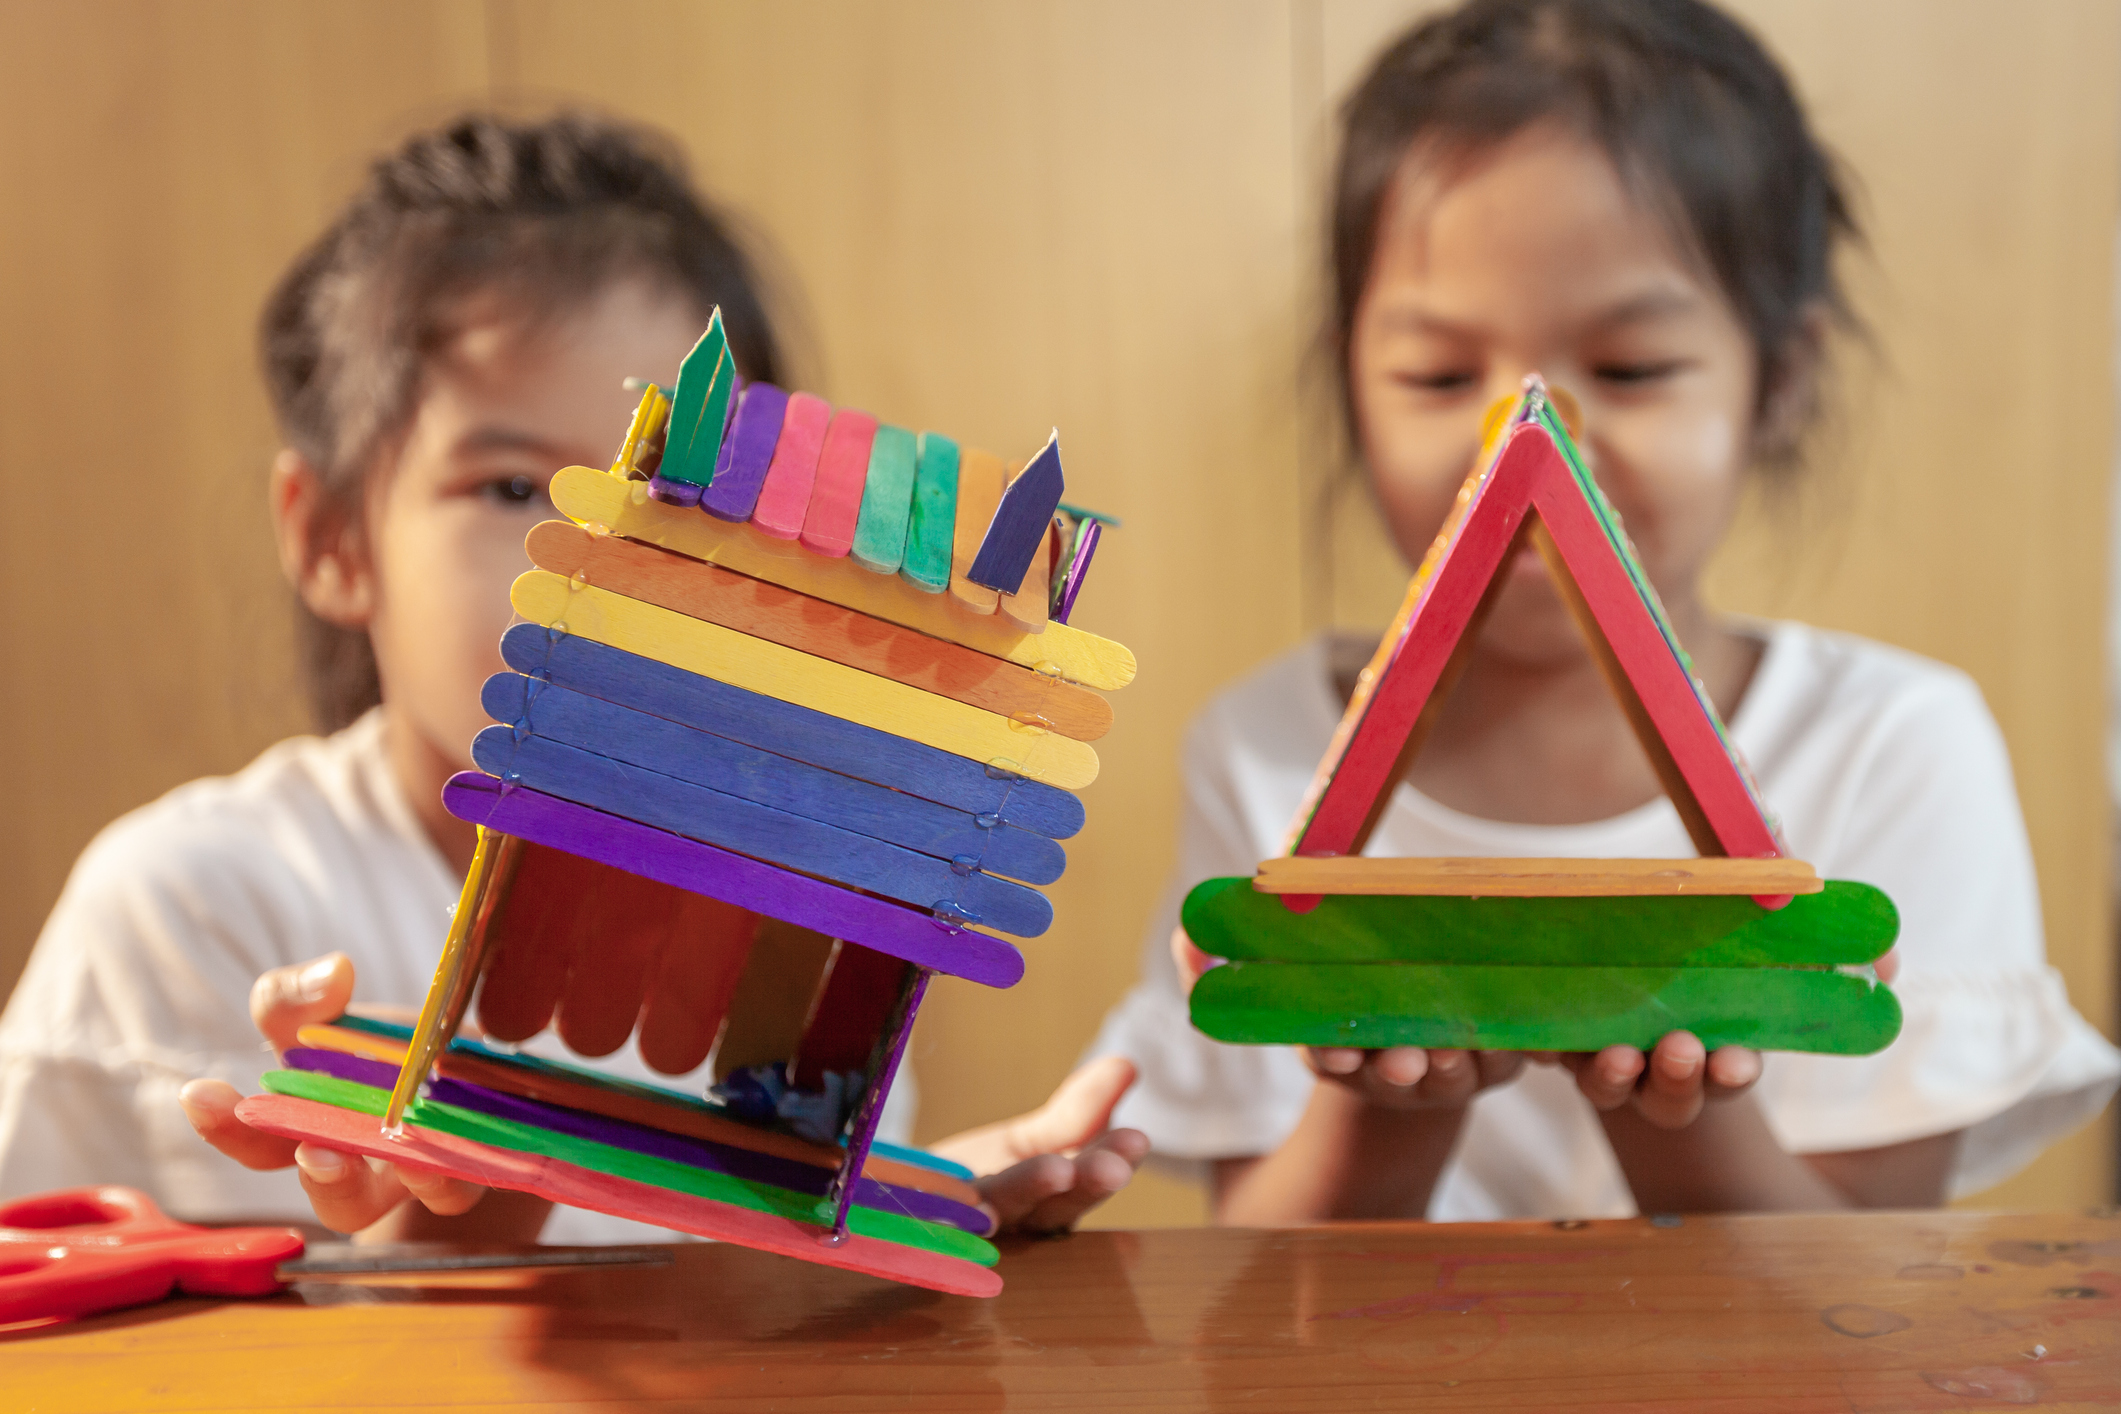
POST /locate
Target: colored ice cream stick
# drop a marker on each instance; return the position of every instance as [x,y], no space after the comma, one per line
[1028,606]
[797,733]
[699,409]
[887,502]
[828,908]
[1518,1008]
[1086,540]
[1018,531]
[596,498]
[784,499]
[836,496]
[818,683]
[931,526]
[814,626]
[763,832]
[747,453]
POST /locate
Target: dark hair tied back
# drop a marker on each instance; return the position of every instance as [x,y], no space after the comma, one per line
[543,214]
[1690,108]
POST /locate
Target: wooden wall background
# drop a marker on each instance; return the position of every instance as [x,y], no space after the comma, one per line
[998,216]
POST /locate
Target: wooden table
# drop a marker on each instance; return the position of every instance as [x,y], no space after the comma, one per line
[1870,1313]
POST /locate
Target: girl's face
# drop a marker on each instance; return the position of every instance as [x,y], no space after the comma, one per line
[502,408]
[1536,258]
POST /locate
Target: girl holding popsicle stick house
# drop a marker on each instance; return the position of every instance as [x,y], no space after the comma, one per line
[1622,196]
[460,333]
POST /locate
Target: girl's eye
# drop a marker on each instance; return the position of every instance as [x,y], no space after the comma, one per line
[1447,381]
[1636,373]
[516,491]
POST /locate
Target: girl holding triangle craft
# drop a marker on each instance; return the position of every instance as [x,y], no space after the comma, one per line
[1622,196]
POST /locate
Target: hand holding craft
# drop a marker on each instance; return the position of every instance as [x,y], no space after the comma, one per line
[348,1192]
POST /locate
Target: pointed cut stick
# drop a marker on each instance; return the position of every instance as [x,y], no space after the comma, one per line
[1018,530]
[813,626]
[592,497]
[699,409]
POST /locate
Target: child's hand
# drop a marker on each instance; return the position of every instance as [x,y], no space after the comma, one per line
[348,1191]
[1410,1078]
[1041,1171]
[1670,1087]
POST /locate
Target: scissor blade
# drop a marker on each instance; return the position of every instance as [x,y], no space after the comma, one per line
[390,1261]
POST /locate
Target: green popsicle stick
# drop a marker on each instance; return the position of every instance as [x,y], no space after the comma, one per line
[932,525]
[1542,1008]
[641,1168]
[1846,924]
[887,502]
[699,407]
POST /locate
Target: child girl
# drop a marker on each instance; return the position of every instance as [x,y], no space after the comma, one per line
[1623,196]
[461,332]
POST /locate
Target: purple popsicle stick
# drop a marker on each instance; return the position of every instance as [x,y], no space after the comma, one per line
[837,912]
[674,493]
[746,453]
[641,1139]
[1078,568]
[845,1193]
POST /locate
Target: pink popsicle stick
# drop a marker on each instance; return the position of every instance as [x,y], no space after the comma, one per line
[842,472]
[784,500]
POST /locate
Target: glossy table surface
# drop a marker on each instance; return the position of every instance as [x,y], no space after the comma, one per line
[1932,1311]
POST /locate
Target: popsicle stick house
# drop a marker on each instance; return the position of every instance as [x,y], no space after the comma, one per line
[1741,946]
[788,678]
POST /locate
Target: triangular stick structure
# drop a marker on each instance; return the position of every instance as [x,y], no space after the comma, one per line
[1532,485]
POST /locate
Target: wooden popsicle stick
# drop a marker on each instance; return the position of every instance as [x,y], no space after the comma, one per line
[887,502]
[1019,527]
[575,1186]
[838,912]
[818,683]
[1027,607]
[554,1083]
[592,497]
[777,836]
[1844,925]
[747,453]
[613,730]
[784,499]
[789,731]
[817,627]
[1535,878]
[980,477]
[842,473]
[1475,1007]
[931,528]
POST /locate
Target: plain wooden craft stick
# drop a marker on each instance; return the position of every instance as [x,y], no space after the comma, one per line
[980,476]
[1027,607]
[1535,878]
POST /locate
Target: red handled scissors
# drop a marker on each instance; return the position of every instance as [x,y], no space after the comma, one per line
[83,1250]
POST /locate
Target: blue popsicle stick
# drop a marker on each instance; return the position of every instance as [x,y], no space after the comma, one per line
[657,744]
[648,685]
[1019,525]
[792,841]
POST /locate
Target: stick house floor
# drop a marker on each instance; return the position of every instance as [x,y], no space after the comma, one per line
[793,722]
[1742,946]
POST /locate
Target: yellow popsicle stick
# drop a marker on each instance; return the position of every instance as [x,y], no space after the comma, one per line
[600,500]
[817,683]
[428,1037]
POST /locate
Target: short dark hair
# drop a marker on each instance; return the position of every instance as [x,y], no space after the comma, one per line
[544,213]
[1686,103]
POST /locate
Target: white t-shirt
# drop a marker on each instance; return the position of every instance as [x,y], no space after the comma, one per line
[1884,768]
[141,978]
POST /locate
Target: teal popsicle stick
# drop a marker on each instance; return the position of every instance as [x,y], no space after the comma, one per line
[887,502]
[933,521]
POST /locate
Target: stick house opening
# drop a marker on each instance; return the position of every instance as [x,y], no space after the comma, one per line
[1743,945]
[793,722]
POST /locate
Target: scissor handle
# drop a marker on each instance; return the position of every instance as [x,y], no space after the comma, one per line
[66,1212]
